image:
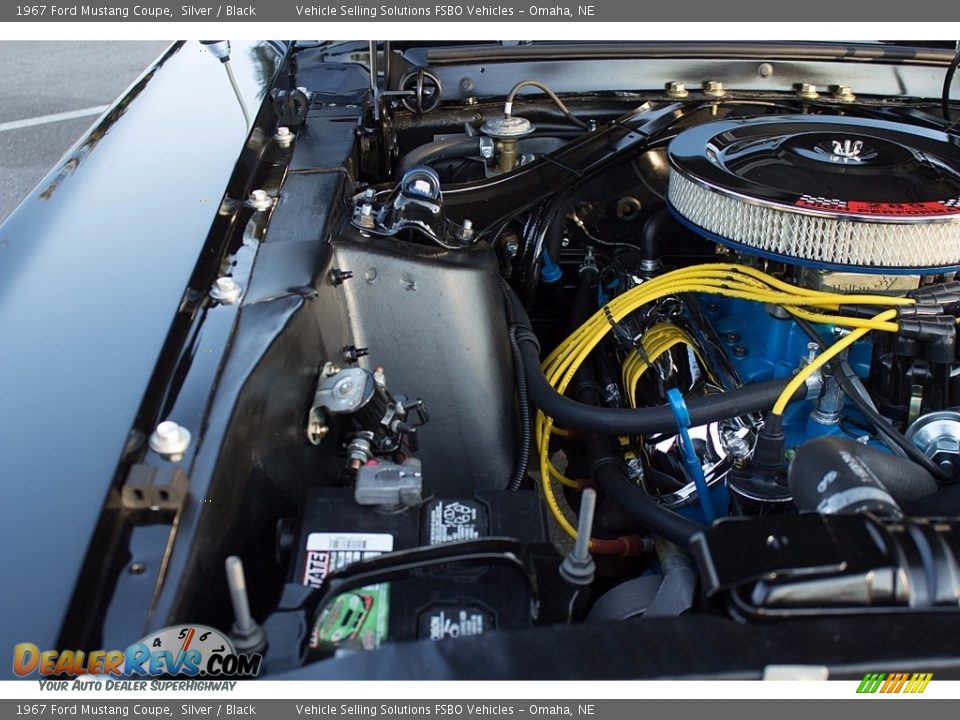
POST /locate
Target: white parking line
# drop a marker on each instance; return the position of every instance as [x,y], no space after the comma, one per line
[56,117]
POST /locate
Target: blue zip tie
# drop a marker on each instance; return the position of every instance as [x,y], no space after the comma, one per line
[679,409]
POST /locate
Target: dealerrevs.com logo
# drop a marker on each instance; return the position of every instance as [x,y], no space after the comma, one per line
[193,651]
[888,683]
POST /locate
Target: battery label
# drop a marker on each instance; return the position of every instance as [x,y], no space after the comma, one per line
[358,618]
[452,520]
[453,622]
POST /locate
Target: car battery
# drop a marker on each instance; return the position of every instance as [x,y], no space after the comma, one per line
[439,602]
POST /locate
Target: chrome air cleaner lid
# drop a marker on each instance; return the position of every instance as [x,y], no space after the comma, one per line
[834,192]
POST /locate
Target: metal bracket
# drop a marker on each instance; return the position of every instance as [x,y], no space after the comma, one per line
[150,489]
[416,203]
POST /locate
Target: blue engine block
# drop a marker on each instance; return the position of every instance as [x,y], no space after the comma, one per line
[763,347]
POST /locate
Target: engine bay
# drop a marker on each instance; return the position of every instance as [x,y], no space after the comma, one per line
[523,361]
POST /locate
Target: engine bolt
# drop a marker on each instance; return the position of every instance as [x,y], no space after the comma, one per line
[807,91]
[735,445]
[844,93]
[259,200]
[338,276]
[731,338]
[316,432]
[359,452]
[466,231]
[366,219]
[352,353]
[740,351]
[714,88]
[283,136]
[170,440]
[226,290]
[765,70]
[677,89]
[635,471]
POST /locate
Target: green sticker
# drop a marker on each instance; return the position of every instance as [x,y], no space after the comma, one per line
[357,618]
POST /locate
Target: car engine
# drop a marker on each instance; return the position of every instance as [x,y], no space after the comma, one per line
[618,356]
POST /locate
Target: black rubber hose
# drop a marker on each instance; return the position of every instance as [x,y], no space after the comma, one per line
[546,129]
[753,397]
[904,480]
[580,309]
[457,147]
[843,473]
[553,238]
[885,428]
[508,108]
[662,236]
[610,476]
[881,424]
[947,82]
[523,398]
[546,235]
[608,472]
[569,413]
[526,416]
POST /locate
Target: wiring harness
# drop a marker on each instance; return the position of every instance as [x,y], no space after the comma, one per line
[724,279]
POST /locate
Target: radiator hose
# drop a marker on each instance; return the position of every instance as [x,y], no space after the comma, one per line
[837,475]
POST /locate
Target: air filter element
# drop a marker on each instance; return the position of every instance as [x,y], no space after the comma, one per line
[831,192]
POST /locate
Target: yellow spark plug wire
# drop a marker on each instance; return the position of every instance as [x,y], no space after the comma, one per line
[725,279]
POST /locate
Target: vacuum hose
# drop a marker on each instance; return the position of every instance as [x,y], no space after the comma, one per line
[456,147]
[569,413]
[610,476]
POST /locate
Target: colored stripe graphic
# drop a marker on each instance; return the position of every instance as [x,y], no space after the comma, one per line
[900,682]
[913,683]
[919,682]
[871,682]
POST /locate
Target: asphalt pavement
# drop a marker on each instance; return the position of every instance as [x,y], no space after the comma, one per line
[50,94]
